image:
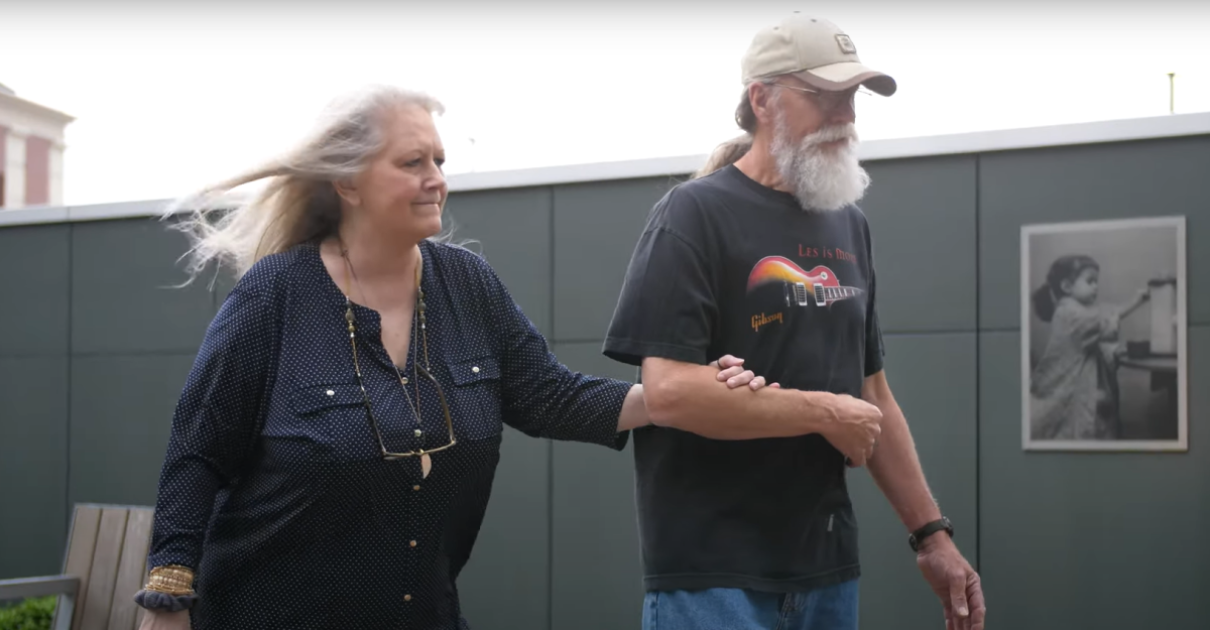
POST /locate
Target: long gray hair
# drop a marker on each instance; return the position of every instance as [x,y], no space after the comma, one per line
[731,151]
[299,203]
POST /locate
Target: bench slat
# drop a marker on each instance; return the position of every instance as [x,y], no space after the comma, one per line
[101,581]
[132,570]
[85,524]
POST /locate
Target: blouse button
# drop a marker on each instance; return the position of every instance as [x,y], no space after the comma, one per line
[407,598]
[419,433]
[475,369]
[415,487]
[413,543]
[330,393]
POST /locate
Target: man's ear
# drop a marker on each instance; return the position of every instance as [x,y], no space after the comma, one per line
[347,191]
[761,97]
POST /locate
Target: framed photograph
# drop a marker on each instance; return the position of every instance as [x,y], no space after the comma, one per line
[1103,336]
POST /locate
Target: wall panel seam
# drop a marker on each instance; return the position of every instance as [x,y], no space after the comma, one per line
[167,352]
[71,277]
[928,333]
[978,386]
[580,341]
[550,445]
[34,355]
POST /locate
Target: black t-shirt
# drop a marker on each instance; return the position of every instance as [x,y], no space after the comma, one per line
[728,266]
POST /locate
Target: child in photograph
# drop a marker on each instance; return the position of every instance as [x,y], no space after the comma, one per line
[1074,387]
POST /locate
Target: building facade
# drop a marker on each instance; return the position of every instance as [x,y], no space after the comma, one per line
[31,152]
[95,346]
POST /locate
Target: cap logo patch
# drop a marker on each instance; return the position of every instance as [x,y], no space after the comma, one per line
[846,44]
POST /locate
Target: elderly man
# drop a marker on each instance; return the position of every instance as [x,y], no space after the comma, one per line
[745,516]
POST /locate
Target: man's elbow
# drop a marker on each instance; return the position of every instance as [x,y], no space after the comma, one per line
[875,389]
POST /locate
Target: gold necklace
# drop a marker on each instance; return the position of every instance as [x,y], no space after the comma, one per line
[418,320]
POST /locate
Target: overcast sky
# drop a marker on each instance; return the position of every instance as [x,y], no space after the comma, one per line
[172,95]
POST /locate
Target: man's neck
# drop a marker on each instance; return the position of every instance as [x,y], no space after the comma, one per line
[760,166]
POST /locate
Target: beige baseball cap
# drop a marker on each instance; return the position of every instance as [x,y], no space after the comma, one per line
[814,50]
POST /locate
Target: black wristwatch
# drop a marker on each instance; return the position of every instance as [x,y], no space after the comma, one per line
[918,536]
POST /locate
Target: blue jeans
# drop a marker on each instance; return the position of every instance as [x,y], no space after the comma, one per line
[828,608]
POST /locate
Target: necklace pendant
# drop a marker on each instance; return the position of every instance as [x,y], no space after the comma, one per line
[426,465]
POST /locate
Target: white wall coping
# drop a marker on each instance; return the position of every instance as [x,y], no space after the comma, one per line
[1100,132]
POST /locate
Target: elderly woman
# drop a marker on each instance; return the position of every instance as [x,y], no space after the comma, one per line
[333,450]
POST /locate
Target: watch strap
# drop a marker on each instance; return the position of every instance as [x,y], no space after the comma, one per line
[928,529]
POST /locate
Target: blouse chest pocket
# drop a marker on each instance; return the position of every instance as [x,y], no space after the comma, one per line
[316,399]
[475,398]
[333,415]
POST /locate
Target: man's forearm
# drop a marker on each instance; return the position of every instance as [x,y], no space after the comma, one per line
[691,398]
[895,466]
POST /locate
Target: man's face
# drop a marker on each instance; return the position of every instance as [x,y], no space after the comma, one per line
[814,144]
[807,110]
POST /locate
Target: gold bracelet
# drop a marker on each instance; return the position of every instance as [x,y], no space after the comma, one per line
[172,579]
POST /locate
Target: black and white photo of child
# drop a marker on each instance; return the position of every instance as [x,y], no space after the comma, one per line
[1075,384]
[1101,306]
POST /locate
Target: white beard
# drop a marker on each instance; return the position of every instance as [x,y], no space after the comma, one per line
[822,179]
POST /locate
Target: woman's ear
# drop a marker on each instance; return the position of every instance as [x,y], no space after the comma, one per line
[1066,287]
[348,192]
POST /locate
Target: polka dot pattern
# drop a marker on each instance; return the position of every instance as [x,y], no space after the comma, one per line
[273,487]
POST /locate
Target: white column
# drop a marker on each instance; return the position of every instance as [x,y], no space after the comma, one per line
[56,173]
[14,169]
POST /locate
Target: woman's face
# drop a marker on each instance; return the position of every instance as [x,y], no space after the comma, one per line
[402,189]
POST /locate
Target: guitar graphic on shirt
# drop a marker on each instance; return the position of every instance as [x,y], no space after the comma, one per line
[819,286]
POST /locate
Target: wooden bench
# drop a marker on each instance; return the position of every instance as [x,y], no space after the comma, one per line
[105,565]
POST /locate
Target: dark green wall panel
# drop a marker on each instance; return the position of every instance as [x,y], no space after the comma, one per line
[596,228]
[1091,540]
[33,465]
[922,219]
[121,416]
[123,300]
[222,285]
[1117,181]
[597,573]
[933,377]
[34,286]
[506,583]
[1110,541]
[513,230]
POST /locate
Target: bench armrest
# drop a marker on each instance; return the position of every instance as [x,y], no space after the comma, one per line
[22,588]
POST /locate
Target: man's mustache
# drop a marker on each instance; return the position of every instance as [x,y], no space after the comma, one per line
[833,133]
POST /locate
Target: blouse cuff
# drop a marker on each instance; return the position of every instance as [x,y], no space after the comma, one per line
[155,600]
[615,396]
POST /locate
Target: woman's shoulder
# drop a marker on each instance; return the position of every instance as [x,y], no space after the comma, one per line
[460,263]
[270,277]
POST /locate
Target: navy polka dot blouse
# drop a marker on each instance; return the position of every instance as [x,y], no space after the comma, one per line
[274,489]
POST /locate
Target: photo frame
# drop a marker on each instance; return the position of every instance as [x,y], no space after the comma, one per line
[1104,336]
